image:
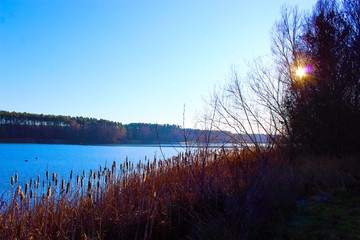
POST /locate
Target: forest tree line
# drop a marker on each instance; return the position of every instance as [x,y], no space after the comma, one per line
[27,127]
[40,128]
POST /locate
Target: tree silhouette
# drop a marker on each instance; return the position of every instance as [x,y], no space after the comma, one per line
[324,115]
[306,97]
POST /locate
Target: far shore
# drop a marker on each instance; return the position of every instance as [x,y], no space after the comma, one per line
[133,143]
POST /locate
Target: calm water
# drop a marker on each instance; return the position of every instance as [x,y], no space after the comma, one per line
[30,160]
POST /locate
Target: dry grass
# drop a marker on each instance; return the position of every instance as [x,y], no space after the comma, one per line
[197,195]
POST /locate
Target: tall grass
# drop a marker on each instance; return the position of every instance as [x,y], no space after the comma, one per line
[202,194]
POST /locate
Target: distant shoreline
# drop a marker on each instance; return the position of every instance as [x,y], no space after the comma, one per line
[135,144]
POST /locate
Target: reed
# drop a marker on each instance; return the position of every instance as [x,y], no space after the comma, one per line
[196,194]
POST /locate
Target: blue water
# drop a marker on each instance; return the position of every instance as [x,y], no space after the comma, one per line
[30,160]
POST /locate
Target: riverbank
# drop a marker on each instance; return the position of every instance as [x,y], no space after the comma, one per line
[238,194]
[329,207]
[326,215]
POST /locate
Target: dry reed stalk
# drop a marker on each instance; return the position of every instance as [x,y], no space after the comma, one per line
[122,197]
[68,187]
[48,193]
[22,196]
[12,181]
[26,188]
[17,192]
[62,185]
[89,186]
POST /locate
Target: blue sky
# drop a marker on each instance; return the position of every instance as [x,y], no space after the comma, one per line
[127,61]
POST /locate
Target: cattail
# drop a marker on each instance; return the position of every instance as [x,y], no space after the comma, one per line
[22,196]
[90,196]
[71,173]
[35,184]
[48,194]
[62,185]
[144,176]
[84,174]
[77,179]
[16,177]
[53,176]
[89,185]
[67,187]
[98,185]
[47,175]
[108,177]
[31,194]
[31,182]
[94,175]
[108,174]
[26,188]
[38,178]
[12,181]
[18,189]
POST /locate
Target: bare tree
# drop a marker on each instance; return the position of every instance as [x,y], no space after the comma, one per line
[255,103]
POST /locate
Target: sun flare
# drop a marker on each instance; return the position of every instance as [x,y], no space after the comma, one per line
[300,72]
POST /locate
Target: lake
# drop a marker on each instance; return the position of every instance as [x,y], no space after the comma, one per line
[30,160]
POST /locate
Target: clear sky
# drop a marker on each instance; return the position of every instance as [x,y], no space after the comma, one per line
[127,61]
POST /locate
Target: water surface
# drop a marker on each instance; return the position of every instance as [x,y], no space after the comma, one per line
[30,160]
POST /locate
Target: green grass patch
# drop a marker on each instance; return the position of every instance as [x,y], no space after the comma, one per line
[333,215]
